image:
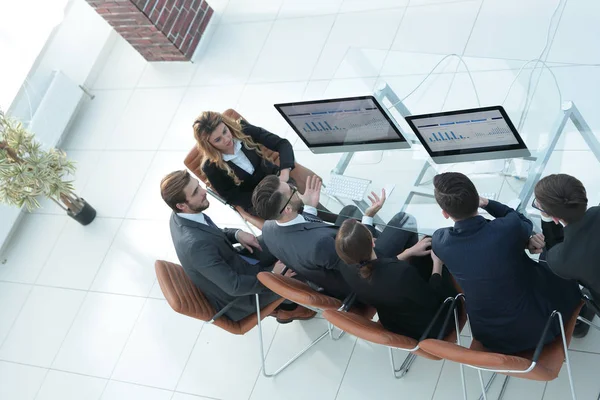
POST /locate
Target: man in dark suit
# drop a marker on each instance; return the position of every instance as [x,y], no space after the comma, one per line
[300,239]
[509,297]
[571,234]
[209,259]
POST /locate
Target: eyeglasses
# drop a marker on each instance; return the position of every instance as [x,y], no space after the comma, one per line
[294,190]
[535,205]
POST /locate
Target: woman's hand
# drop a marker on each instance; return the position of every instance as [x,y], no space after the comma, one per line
[422,248]
[437,264]
[284,175]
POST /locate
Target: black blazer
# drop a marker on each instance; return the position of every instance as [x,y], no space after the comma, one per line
[405,302]
[573,252]
[509,297]
[216,268]
[242,195]
[309,249]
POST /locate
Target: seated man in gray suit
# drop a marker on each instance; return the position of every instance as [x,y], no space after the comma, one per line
[209,259]
[302,241]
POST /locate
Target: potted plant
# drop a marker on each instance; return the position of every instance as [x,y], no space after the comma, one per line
[28,171]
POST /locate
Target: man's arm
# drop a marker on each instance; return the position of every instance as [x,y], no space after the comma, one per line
[215,269]
[231,234]
[325,255]
[506,216]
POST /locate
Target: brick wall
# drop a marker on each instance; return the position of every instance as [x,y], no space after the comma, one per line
[160,30]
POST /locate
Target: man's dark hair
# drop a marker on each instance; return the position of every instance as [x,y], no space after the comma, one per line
[456,194]
[562,196]
[267,200]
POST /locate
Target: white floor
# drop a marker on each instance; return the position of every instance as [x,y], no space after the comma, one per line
[81,315]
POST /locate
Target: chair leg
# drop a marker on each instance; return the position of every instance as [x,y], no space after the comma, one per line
[487,386]
[590,323]
[331,335]
[462,367]
[504,385]
[403,370]
[566,350]
[483,387]
[263,357]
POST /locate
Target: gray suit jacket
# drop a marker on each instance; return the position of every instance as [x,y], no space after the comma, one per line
[214,265]
[309,250]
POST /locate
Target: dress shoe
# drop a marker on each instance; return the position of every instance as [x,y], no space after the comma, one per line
[299,313]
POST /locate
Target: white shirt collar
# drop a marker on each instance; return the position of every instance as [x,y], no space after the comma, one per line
[237,147]
[197,217]
[298,220]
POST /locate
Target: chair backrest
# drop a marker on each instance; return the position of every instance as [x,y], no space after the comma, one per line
[181,293]
[185,298]
[374,332]
[547,368]
[298,292]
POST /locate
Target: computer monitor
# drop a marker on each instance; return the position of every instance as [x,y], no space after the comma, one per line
[476,134]
[339,125]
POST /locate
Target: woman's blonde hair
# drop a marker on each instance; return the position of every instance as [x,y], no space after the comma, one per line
[204,125]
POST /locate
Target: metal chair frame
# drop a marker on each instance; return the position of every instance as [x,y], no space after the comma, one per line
[536,355]
[263,357]
[400,372]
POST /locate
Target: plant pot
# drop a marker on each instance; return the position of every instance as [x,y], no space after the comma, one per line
[85,216]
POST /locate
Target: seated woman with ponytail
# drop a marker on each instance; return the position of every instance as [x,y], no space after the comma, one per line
[232,159]
[405,295]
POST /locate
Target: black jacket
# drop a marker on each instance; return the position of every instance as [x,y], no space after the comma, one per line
[405,302]
[574,252]
[242,195]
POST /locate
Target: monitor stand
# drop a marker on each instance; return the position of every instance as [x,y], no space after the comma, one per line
[569,112]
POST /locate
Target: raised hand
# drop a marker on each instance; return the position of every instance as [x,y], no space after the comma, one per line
[312,193]
[376,203]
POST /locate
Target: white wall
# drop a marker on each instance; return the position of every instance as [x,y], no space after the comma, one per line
[76,47]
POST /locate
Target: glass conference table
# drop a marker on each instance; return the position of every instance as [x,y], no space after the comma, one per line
[410,171]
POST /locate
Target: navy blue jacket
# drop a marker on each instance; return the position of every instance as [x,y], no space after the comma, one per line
[509,297]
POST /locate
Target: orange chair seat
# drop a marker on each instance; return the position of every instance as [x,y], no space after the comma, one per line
[185,298]
[301,293]
[546,369]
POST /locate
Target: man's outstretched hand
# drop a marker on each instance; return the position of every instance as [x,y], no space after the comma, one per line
[376,203]
[312,194]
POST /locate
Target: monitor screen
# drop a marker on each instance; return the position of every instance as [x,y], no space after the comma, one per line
[354,121]
[462,132]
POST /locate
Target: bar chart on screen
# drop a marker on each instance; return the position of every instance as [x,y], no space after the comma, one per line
[441,136]
[473,133]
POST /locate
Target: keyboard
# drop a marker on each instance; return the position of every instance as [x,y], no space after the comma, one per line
[489,196]
[347,187]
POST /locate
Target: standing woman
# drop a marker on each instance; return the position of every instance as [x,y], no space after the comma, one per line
[232,159]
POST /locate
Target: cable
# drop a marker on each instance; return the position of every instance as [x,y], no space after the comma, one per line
[431,73]
[527,103]
[544,64]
